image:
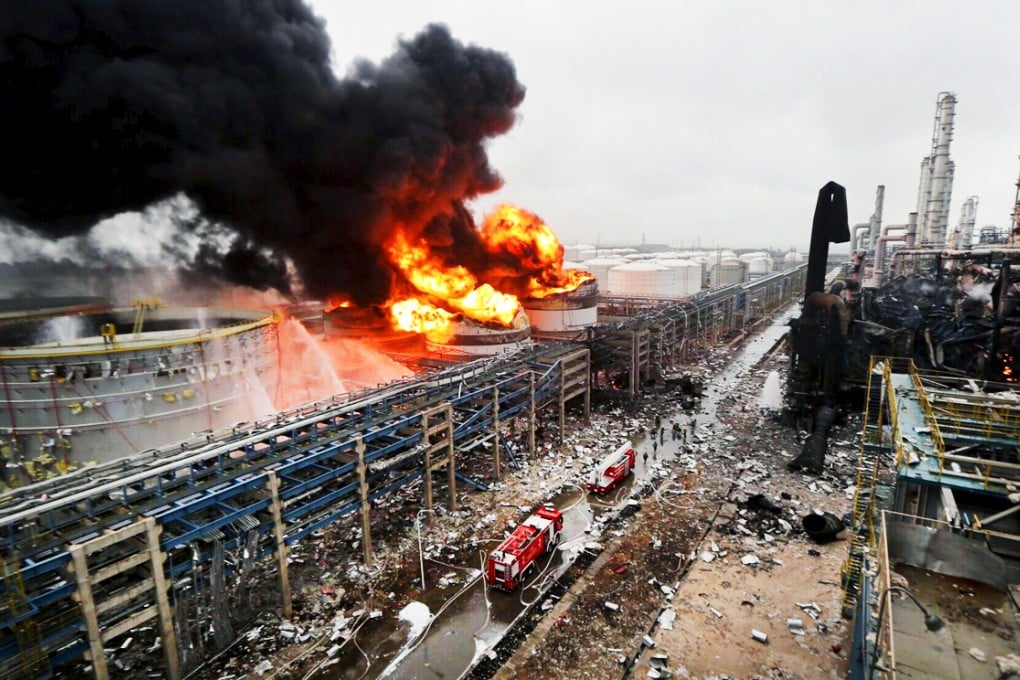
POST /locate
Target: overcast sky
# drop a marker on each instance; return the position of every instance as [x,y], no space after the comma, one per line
[721,120]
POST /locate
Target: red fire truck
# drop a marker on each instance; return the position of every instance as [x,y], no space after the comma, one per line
[612,470]
[513,561]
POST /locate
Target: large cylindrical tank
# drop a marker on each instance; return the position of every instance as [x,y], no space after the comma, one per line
[600,266]
[728,272]
[641,278]
[473,338]
[369,324]
[792,259]
[104,385]
[758,264]
[566,313]
[690,277]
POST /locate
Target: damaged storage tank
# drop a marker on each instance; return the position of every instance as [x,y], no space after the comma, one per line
[468,337]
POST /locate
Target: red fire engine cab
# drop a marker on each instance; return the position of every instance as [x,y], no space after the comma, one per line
[513,561]
[612,470]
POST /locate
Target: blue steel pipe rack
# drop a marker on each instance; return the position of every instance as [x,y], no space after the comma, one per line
[203,488]
[214,486]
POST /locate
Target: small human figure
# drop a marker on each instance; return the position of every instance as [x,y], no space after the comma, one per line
[662,435]
[655,447]
[645,457]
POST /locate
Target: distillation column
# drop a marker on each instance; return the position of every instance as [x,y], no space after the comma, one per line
[1014,234]
[964,233]
[937,169]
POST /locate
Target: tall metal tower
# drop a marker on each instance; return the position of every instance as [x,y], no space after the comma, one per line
[964,233]
[936,186]
[1014,233]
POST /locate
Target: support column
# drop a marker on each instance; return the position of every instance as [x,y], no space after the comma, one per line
[563,403]
[531,416]
[166,618]
[79,565]
[451,465]
[633,377]
[495,433]
[366,520]
[427,459]
[275,507]
[587,390]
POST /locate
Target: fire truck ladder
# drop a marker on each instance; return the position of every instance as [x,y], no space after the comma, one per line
[862,535]
[21,615]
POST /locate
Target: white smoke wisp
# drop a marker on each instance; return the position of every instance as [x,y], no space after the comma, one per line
[981,291]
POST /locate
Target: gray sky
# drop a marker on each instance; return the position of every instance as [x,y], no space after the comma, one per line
[721,120]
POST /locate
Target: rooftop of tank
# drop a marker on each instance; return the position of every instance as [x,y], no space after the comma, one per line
[34,330]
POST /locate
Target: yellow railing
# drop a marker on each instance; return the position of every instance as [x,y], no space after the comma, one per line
[938,444]
[894,416]
[977,418]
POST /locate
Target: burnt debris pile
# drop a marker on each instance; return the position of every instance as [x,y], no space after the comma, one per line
[962,321]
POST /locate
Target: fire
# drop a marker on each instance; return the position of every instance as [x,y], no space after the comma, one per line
[524,236]
[513,255]
[336,301]
[415,315]
[455,285]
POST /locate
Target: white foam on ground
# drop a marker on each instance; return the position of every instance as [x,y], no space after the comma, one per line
[417,614]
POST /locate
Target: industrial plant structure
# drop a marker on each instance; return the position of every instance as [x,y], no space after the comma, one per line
[166,521]
[182,494]
[922,327]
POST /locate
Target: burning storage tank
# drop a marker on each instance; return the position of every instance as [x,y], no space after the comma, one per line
[728,272]
[468,337]
[641,278]
[101,385]
[564,313]
[370,324]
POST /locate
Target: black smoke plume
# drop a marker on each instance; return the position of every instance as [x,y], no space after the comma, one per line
[111,105]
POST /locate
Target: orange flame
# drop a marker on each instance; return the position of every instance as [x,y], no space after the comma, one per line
[521,258]
[525,237]
[455,286]
[415,315]
[336,301]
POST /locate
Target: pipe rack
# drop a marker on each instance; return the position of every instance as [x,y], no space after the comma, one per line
[270,483]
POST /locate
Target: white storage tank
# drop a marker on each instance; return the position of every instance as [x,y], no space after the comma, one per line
[792,259]
[641,278]
[686,276]
[564,314]
[600,267]
[572,252]
[728,272]
[758,264]
[690,277]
